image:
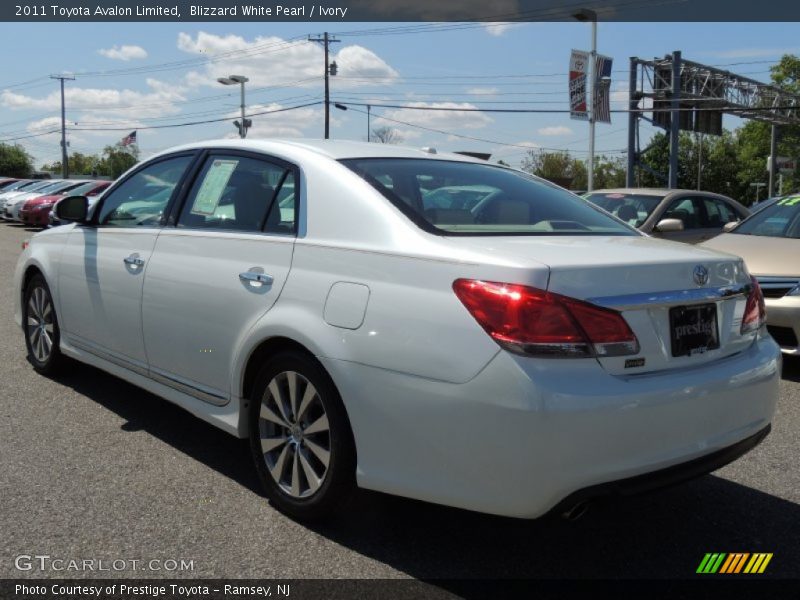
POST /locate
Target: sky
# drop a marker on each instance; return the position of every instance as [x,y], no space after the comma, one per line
[135,76]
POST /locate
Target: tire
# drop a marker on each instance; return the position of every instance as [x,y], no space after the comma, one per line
[306,465]
[40,325]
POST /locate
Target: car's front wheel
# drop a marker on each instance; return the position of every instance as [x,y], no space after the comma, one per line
[41,327]
[300,437]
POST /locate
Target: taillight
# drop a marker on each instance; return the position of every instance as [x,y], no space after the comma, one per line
[755,311]
[531,321]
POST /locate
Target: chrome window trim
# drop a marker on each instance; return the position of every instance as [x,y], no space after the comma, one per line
[671,298]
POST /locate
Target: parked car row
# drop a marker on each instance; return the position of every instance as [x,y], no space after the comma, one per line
[31,201]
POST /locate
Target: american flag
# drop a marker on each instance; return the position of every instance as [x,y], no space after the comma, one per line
[602,91]
[128,139]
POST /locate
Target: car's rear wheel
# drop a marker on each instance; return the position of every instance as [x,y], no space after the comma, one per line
[300,437]
[39,320]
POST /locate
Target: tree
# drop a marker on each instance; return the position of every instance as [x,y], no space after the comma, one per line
[14,161]
[79,164]
[117,159]
[385,135]
[559,167]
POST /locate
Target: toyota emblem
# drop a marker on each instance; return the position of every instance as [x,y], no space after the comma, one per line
[700,275]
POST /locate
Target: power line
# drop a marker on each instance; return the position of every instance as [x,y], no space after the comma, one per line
[203,122]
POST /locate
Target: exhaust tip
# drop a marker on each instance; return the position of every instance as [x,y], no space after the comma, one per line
[575,512]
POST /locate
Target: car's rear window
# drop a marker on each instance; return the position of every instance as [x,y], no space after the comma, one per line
[631,208]
[460,198]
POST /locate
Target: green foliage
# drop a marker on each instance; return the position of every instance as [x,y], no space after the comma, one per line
[14,161]
[563,169]
[118,159]
[114,161]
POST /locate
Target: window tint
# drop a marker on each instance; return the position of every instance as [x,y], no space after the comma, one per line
[718,212]
[283,213]
[687,210]
[231,193]
[141,199]
[460,198]
[782,219]
[631,208]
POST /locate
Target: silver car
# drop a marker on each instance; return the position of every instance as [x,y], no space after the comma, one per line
[678,215]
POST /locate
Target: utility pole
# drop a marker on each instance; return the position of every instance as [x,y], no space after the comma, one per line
[773,160]
[675,121]
[699,158]
[330,69]
[64,158]
[369,110]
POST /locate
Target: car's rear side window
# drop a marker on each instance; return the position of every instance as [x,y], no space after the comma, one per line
[234,192]
[461,198]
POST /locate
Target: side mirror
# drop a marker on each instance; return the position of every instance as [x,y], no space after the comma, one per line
[669,225]
[730,226]
[73,208]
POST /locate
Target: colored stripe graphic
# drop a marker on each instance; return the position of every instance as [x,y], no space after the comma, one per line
[721,562]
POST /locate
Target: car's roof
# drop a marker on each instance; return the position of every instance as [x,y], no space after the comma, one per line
[654,191]
[334,149]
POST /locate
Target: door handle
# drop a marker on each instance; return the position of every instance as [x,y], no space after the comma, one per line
[256,279]
[133,260]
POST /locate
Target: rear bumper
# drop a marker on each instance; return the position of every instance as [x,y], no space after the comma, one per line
[525,434]
[664,478]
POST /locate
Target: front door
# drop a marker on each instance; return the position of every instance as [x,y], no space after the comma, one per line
[104,264]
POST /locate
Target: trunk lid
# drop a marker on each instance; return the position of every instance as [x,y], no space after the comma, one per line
[644,279]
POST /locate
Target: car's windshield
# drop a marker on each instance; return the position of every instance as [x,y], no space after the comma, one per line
[631,208]
[460,198]
[781,219]
[83,189]
[17,185]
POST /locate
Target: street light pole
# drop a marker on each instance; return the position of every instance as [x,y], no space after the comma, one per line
[241,80]
[369,109]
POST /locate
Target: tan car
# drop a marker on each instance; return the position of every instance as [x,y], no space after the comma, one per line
[678,215]
[769,242]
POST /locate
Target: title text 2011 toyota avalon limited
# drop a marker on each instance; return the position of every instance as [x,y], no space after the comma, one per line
[423,324]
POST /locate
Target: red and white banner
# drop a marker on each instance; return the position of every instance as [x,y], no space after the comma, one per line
[578,69]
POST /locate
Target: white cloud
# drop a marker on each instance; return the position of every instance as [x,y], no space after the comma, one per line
[554,130]
[752,52]
[270,61]
[299,122]
[158,101]
[483,91]
[497,29]
[460,115]
[123,52]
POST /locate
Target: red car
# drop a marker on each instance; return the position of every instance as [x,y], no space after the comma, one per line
[36,211]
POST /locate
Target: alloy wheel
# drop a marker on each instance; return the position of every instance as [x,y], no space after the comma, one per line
[40,326]
[294,434]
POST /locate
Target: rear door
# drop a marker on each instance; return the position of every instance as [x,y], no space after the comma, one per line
[218,270]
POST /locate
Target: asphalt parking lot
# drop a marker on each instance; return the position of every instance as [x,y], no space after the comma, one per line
[91,466]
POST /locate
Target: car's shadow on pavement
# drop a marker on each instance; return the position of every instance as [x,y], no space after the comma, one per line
[665,534]
[791,368]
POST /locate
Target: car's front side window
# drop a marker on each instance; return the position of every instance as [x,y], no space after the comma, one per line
[141,199]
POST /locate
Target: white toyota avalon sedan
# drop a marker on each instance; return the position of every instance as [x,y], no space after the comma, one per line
[422,324]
